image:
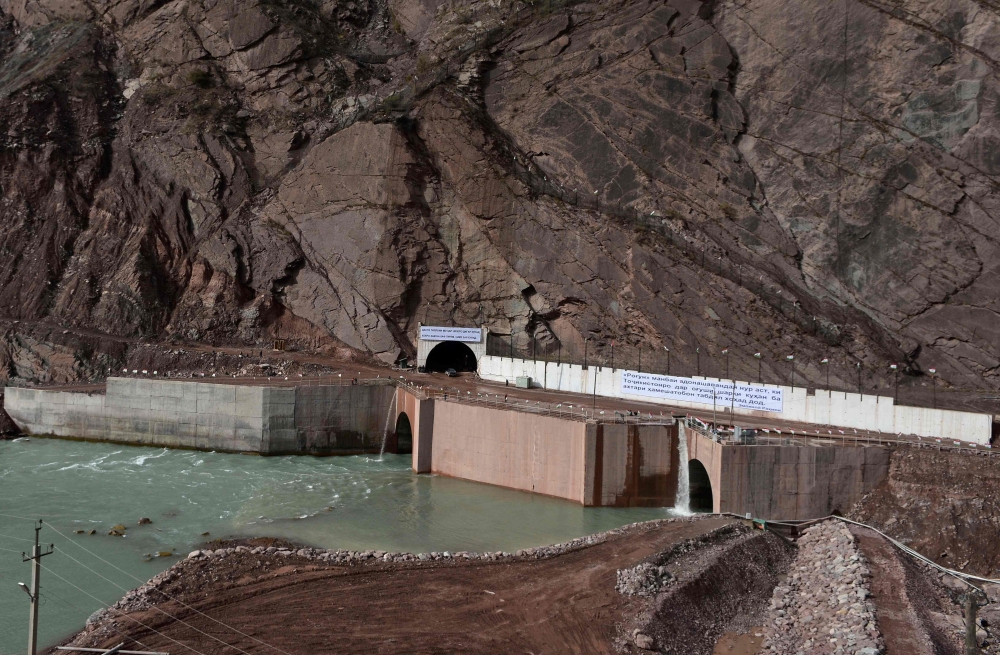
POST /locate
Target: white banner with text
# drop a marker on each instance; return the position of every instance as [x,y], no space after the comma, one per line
[465,335]
[668,387]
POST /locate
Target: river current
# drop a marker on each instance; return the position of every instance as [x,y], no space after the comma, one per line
[358,503]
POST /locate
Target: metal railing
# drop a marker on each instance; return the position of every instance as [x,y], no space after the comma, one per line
[772,436]
[569,411]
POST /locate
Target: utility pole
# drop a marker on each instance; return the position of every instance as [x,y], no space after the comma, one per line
[971,605]
[933,388]
[36,571]
[595,393]
[715,417]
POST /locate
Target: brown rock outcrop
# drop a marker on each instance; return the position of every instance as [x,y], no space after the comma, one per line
[765,176]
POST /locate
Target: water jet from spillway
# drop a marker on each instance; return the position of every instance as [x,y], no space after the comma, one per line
[682,503]
[385,429]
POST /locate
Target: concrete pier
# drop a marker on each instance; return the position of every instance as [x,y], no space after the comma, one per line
[786,482]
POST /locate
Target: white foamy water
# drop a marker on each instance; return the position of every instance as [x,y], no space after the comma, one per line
[683,501]
[358,503]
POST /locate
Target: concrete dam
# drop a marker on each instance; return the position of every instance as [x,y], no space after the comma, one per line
[621,461]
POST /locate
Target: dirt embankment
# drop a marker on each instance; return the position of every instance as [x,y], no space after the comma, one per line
[717,593]
[916,614]
[946,505]
[549,599]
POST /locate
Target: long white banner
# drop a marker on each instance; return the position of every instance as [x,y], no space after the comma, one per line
[748,396]
[465,335]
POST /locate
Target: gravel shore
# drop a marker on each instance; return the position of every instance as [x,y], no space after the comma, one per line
[148,594]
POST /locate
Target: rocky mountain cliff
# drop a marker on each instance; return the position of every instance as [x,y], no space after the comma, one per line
[770,176]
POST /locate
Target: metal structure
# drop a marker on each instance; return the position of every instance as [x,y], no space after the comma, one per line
[36,583]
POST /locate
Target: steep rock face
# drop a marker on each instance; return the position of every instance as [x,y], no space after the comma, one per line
[809,179]
[872,126]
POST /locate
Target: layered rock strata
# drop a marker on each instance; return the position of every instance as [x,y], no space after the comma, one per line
[761,176]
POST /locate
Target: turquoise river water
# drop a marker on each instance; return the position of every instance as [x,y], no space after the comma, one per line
[358,503]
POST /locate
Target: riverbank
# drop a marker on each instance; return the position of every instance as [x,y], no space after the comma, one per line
[355,503]
[700,585]
[271,598]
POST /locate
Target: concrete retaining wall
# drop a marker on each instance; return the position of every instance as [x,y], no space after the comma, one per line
[798,482]
[510,449]
[592,464]
[787,482]
[837,408]
[233,418]
[631,465]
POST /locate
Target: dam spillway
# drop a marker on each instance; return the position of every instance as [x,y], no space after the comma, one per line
[624,460]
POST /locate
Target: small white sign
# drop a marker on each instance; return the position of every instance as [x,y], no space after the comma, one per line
[465,335]
[748,396]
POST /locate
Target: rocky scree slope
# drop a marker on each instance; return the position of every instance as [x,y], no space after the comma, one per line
[942,504]
[812,178]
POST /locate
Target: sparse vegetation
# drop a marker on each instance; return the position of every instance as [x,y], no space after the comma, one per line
[729,210]
[200,78]
[424,63]
[156,93]
[395,102]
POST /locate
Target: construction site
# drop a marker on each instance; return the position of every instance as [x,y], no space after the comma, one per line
[594,436]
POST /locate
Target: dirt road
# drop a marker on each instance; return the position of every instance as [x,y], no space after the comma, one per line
[563,604]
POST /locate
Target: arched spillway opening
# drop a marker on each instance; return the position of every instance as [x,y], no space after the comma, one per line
[700,486]
[404,434]
[451,354]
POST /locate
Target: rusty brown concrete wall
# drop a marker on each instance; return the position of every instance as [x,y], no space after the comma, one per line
[542,454]
[798,482]
[631,465]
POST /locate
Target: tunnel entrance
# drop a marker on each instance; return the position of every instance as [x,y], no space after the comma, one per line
[404,435]
[701,487]
[451,354]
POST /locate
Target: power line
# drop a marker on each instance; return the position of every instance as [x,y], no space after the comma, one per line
[182,621]
[23,518]
[8,550]
[76,607]
[185,605]
[10,536]
[122,614]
